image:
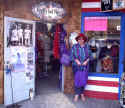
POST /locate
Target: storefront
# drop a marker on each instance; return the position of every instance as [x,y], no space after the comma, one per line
[105,31]
[20,54]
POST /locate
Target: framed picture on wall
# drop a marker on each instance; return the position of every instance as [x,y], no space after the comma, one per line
[118,4]
[106,5]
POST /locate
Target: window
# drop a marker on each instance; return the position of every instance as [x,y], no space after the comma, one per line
[104,41]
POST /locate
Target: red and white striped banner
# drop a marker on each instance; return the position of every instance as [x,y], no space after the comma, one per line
[102,87]
[91,5]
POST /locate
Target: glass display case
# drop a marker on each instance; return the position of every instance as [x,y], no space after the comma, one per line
[104,42]
[106,39]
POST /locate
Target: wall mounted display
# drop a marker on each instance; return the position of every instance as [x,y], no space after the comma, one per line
[19,44]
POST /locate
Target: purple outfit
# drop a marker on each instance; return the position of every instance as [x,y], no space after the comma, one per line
[80,72]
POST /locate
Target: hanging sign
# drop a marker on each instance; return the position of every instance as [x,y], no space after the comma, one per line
[49,11]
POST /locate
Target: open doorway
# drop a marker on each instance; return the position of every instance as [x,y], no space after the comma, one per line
[48,67]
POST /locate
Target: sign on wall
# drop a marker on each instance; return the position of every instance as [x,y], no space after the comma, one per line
[96,24]
[49,11]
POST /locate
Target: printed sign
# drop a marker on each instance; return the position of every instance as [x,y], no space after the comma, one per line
[96,24]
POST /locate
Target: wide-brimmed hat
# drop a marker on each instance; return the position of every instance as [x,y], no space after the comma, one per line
[81,35]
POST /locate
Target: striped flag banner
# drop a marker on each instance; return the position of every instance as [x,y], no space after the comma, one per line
[91,5]
[102,87]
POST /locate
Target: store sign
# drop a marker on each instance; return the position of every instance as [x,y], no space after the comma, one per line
[49,11]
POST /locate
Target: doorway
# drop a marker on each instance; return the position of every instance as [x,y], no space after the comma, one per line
[48,67]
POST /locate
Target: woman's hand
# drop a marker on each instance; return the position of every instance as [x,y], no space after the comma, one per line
[85,62]
[78,62]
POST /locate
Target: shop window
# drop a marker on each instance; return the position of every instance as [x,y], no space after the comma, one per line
[104,41]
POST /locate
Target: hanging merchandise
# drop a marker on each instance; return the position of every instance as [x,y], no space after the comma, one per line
[64,52]
[72,39]
[39,44]
[49,26]
[65,59]
[56,43]
[107,64]
[62,41]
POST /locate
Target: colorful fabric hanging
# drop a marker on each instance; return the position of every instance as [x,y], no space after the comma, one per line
[56,43]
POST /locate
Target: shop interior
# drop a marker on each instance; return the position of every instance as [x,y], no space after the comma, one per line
[48,67]
[104,44]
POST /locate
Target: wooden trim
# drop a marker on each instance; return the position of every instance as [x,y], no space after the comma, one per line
[2,54]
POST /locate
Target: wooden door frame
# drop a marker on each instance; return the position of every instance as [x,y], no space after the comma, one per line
[1,54]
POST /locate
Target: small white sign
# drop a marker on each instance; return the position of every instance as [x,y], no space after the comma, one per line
[118,28]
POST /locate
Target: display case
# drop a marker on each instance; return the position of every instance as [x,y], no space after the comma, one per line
[104,43]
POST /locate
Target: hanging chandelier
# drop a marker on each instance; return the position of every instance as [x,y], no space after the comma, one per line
[49,11]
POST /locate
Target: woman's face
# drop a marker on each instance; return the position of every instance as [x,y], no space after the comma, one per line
[81,41]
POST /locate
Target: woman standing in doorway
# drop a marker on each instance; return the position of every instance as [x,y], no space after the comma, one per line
[80,59]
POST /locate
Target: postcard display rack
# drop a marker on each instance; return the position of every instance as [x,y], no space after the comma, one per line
[19,59]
